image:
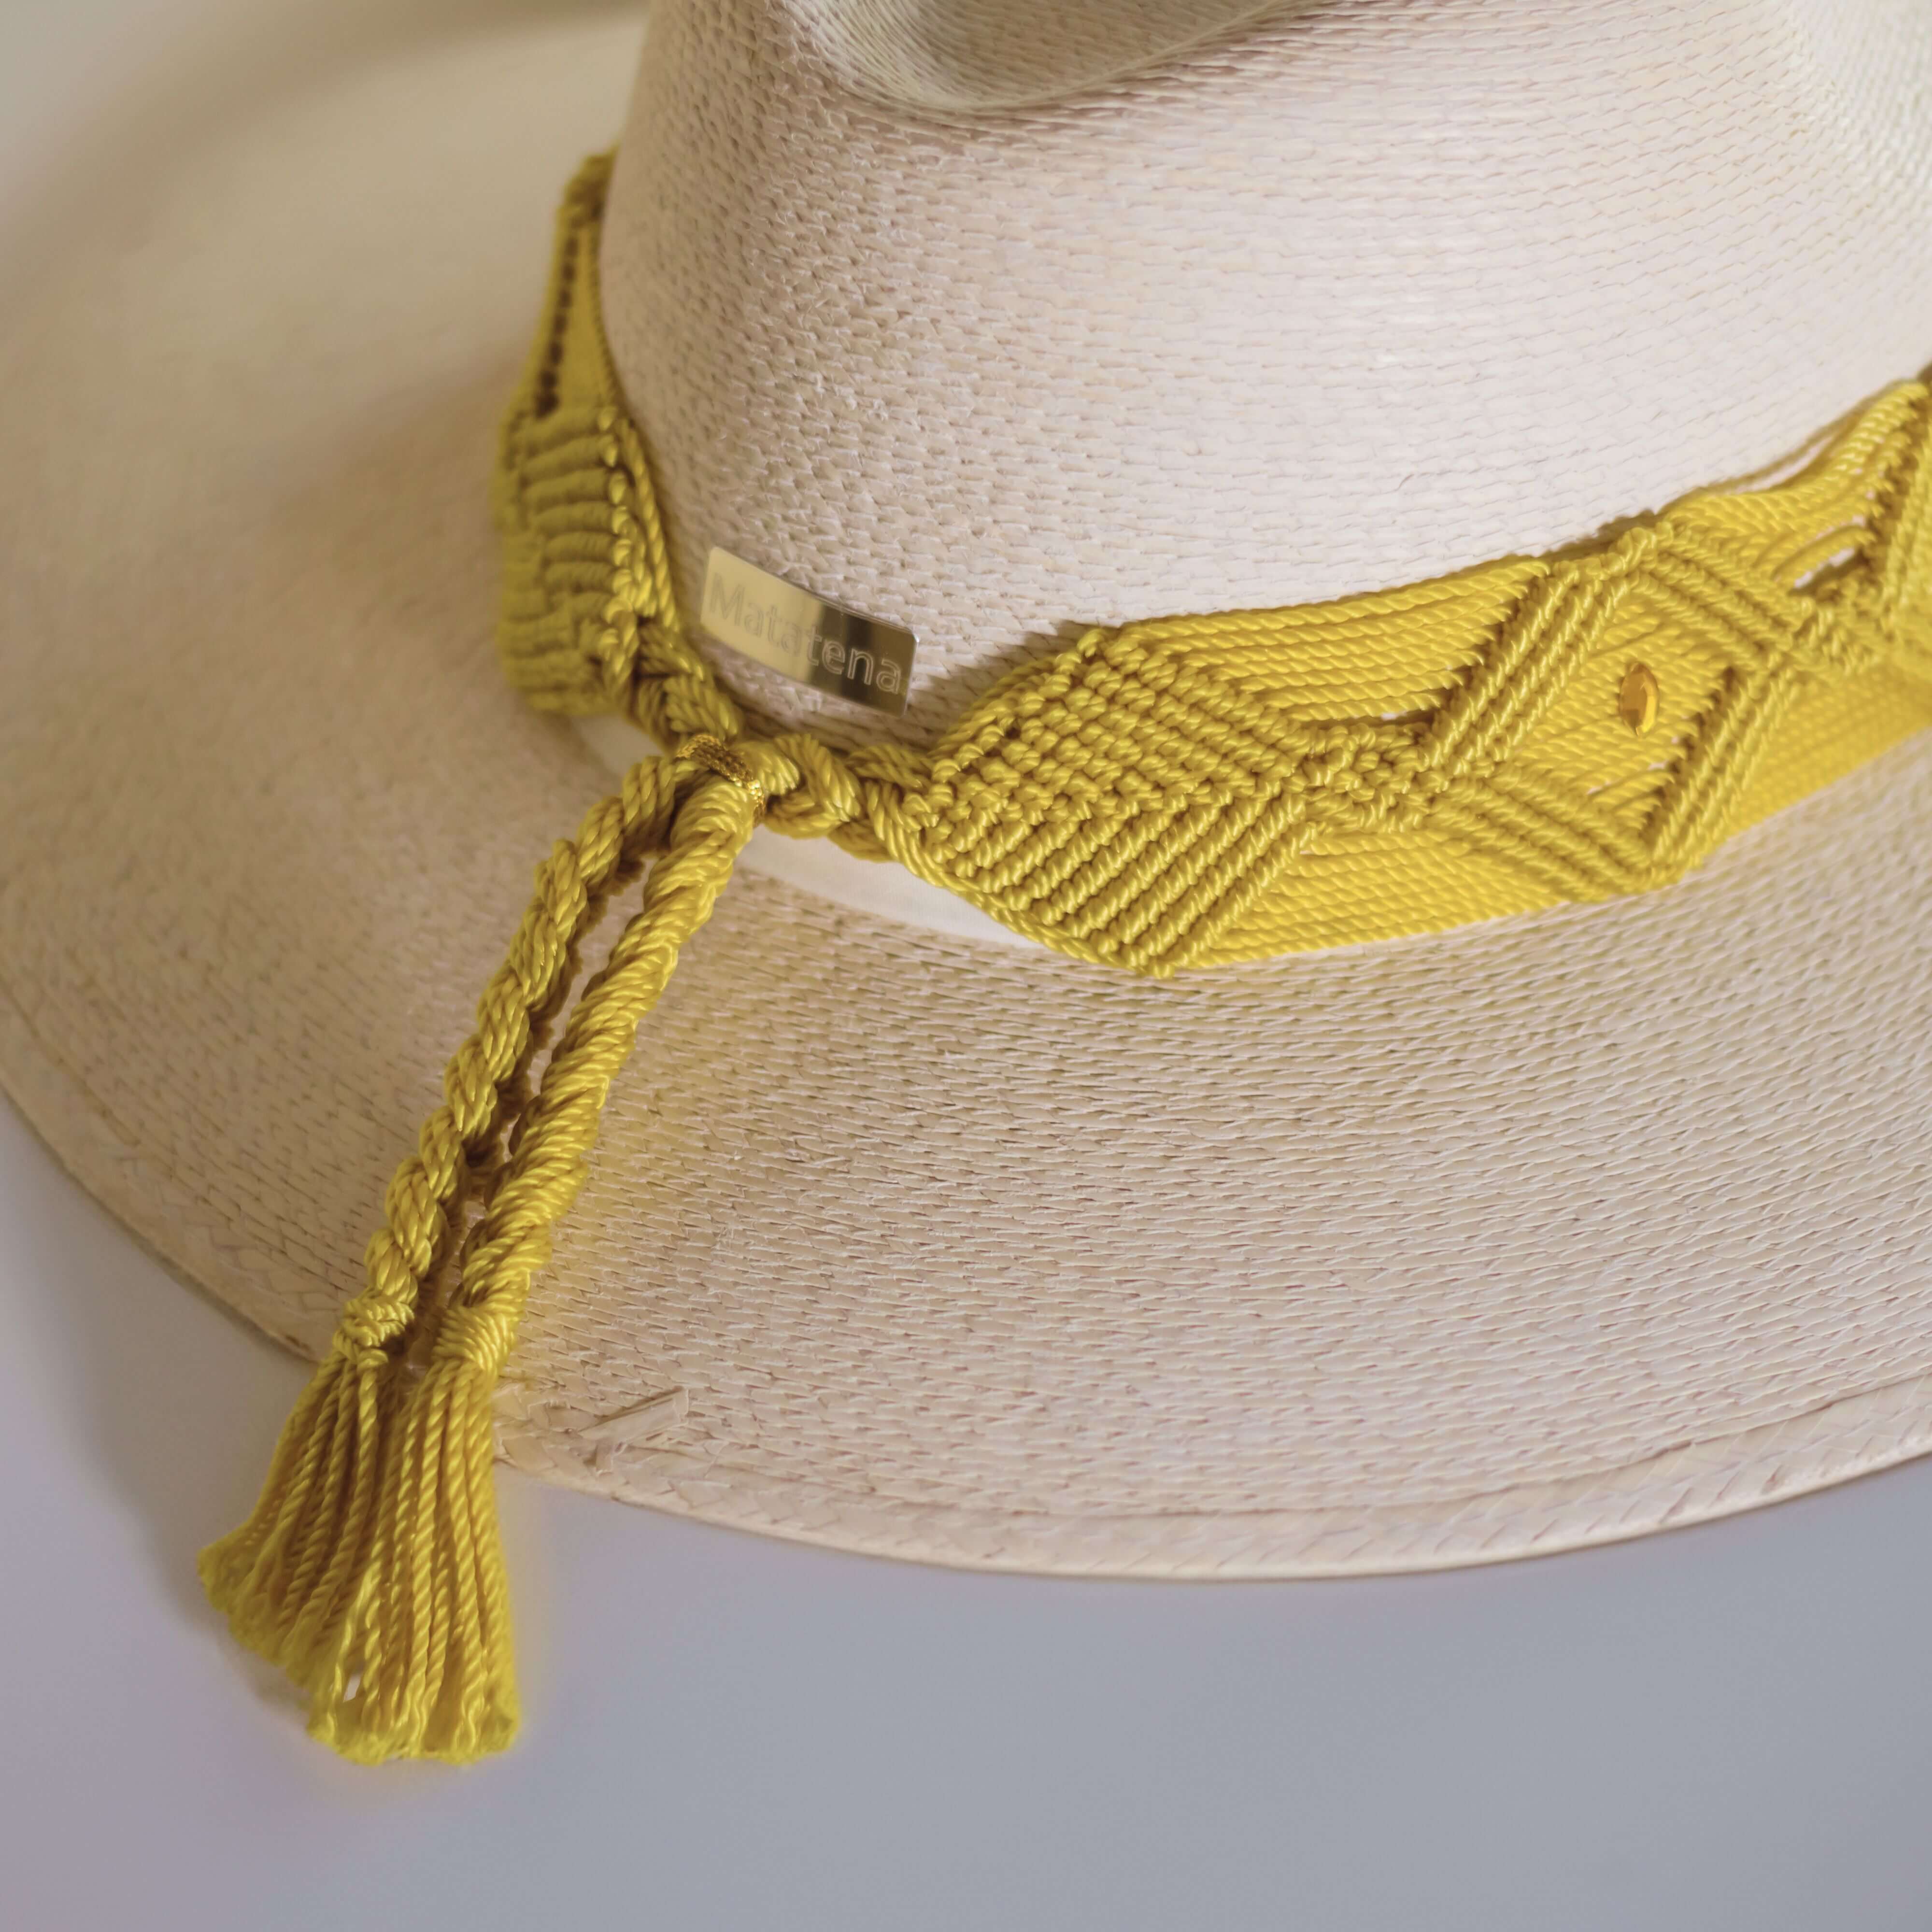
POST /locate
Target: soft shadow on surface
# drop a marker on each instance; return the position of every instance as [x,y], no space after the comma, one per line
[1722,1725]
[174,1401]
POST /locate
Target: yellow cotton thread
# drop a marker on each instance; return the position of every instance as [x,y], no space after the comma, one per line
[371,1570]
[1164,795]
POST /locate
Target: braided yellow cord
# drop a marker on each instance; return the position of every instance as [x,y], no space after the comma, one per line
[1174,793]
[371,1570]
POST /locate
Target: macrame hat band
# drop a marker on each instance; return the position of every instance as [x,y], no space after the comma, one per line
[1189,791]
[1179,793]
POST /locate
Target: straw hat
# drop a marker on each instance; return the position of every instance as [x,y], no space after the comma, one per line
[1390,1162]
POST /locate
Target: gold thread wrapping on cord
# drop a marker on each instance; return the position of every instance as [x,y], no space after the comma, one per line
[702,748]
[1162,795]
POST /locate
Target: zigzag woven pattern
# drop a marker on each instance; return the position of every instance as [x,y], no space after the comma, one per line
[1189,790]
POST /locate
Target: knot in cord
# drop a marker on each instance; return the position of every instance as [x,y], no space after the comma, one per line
[862,799]
[364,1339]
[480,1334]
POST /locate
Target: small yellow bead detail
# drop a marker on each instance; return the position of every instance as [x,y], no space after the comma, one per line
[1636,700]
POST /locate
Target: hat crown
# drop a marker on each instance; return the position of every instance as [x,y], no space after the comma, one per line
[967,55]
[1311,300]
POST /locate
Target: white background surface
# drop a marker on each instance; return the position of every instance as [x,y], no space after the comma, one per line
[1729,1725]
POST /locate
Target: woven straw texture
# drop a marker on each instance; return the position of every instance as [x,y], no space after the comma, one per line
[1325,300]
[1547,1231]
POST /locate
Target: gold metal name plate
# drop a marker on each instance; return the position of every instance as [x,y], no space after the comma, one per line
[775,623]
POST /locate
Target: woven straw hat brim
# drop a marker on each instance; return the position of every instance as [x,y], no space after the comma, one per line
[1535,1235]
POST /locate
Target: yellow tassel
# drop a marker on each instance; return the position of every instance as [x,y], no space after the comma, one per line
[371,1570]
[421,1665]
[280,1576]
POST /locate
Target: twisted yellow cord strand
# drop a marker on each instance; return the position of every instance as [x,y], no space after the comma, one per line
[371,1570]
[1163,795]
